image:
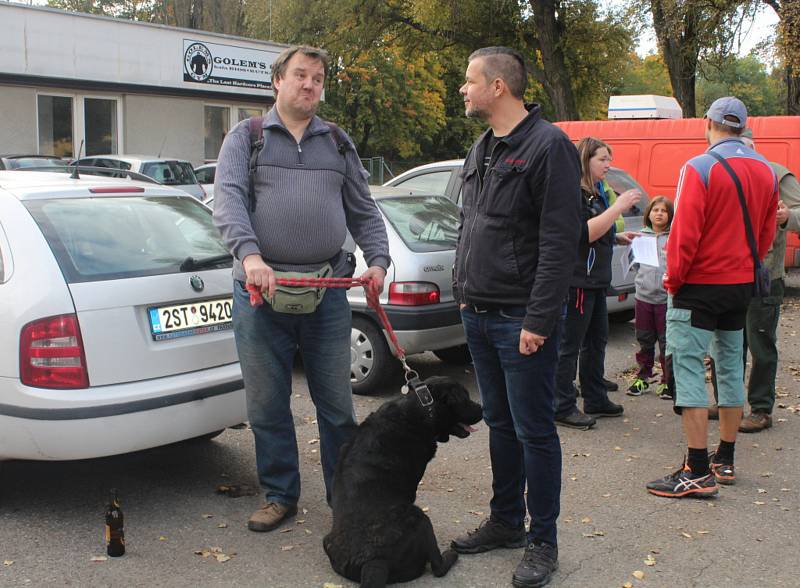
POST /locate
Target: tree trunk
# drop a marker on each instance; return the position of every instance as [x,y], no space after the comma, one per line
[679,45]
[792,92]
[554,75]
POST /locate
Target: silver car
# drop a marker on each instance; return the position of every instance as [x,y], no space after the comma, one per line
[175,173]
[418,293]
[444,177]
[115,330]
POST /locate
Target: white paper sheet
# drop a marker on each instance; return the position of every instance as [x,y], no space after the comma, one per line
[645,250]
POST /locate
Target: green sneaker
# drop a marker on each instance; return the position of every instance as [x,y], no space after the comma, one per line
[664,392]
[638,387]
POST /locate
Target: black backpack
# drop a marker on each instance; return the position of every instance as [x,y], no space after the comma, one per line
[256,125]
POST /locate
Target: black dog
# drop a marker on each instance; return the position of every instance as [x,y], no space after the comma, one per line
[379,535]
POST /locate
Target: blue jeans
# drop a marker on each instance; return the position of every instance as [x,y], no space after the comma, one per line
[267,342]
[585,334]
[517,392]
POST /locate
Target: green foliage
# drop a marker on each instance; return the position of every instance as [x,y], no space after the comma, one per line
[644,76]
[744,77]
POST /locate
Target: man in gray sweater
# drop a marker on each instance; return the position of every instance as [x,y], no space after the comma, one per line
[309,189]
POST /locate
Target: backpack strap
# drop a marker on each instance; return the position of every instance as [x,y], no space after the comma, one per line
[256,126]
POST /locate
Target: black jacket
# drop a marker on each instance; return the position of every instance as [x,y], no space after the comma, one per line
[520,222]
[599,274]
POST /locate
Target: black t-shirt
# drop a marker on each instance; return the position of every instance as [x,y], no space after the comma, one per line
[487,157]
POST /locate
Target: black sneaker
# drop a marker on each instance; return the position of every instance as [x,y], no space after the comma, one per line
[724,473]
[576,419]
[490,534]
[638,387]
[665,392]
[610,386]
[609,409]
[537,565]
[684,483]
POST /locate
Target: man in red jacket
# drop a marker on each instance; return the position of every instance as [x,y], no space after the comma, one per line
[710,272]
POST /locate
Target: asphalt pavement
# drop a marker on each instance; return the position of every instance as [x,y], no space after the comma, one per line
[181,532]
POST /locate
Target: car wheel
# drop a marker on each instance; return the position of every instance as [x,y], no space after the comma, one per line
[371,363]
[623,316]
[458,355]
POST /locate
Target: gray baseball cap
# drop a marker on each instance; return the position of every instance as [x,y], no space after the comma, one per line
[728,106]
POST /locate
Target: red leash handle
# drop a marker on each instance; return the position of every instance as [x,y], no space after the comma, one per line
[373,300]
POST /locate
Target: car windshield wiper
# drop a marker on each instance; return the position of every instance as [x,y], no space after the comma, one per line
[190,263]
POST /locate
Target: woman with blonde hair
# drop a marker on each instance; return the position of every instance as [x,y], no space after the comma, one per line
[586,324]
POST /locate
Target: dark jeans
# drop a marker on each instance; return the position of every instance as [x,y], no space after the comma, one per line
[651,326]
[267,342]
[762,340]
[585,334]
[517,395]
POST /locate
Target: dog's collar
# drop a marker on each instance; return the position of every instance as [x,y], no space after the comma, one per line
[422,393]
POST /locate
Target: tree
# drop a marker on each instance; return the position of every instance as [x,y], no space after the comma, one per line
[788,12]
[644,76]
[685,29]
[744,77]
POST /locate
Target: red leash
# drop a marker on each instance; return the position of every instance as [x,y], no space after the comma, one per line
[257,299]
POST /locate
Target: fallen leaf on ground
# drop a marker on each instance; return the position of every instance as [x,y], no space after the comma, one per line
[600,533]
[703,532]
[330,585]
[627,585]
[98,558]
[426,508]
[236,490]
[8,562]
[222,526]
[586,520]
[638,574]
[285,531]
[287,547]
[313,441]
[162,538]
[650,560]
[759,502]
[686,535]
[221,557]
[762,491]
[208,516]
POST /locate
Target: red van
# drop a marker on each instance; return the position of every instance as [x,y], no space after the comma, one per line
[653,151]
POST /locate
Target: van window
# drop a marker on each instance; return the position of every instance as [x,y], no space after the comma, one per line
[97,239]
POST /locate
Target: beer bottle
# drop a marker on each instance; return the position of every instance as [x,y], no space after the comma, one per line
[115,535]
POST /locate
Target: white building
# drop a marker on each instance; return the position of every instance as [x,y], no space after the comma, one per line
[121,86]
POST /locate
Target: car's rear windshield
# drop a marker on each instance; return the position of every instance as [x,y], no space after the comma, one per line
[170,173]
[96,239]
[621,181]
[425,223]
[23,162]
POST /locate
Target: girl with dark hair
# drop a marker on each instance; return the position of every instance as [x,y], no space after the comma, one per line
[651,301]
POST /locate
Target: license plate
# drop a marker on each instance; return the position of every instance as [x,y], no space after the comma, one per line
[191,318]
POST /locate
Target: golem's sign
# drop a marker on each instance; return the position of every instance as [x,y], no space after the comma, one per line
[226,65]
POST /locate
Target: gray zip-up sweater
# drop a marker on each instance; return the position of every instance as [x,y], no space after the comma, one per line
[307,196]
[650,280]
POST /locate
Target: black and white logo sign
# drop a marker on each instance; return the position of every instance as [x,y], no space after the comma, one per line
[197,62]
[226,65]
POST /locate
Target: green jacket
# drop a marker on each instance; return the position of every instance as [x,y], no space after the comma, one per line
[789,192]
[619,224]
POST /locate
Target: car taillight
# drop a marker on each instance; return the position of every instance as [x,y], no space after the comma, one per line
[622,297]
[51,354]
[413,293]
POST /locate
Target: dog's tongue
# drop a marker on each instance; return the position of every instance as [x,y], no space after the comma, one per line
[467,428]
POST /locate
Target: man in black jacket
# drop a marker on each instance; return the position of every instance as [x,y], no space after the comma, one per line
[517,244]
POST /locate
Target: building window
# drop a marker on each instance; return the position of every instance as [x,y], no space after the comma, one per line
[216,126]
[249,112]
[100,124]
[55,125]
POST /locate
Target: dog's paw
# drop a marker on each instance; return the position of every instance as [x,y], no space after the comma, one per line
[449,558]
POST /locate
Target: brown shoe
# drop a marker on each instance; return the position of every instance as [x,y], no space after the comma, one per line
[270,516]
[713,412]
[755,422]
